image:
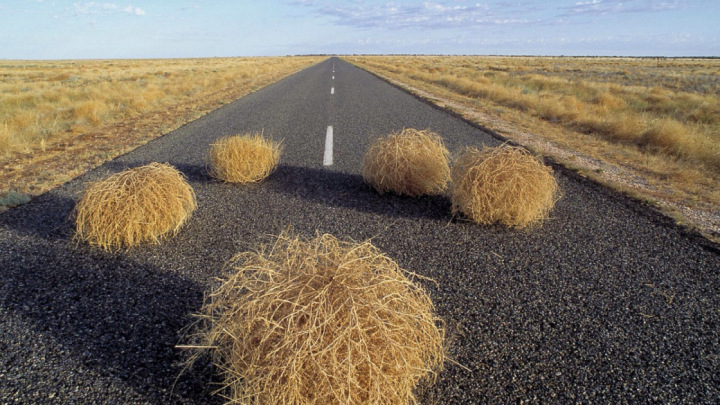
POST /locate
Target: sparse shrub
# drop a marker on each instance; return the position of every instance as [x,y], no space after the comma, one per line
[609,101]
[541,82]
[321,322]
[12,199]
[622,127]
[23,119]
[668,135]
[706,112]
[411,162]
[563,108]
[90,112]
[659,91]
[658,101]
[504,185]
[673,138]
[5,139]
[243,159]
[139,205]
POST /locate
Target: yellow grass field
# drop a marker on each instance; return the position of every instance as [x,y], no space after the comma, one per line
[90,111]
[648,127]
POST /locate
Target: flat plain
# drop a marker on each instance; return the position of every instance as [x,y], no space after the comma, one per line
[59,119]
[607,301]
[648,127]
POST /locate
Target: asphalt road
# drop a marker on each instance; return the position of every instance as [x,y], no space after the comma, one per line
[606,302]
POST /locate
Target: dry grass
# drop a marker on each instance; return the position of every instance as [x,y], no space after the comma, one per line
[243,159]
[505,185]
[580,94]
[647,127]
[410,162]
[5,140]
[321,322]
[51,100]
[140,205]
[59,119]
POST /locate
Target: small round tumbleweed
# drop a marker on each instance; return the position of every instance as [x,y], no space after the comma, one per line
[504,185]
[410,162]
[321,321]
[248,158]
[139,205]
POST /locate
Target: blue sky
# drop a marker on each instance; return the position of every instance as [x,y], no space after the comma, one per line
[62,29]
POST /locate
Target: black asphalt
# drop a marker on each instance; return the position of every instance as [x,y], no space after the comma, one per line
[607,302]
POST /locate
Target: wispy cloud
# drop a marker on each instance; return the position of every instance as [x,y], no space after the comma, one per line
[428,14]
[302,2]
[95,8]
[134,10]
[623,6]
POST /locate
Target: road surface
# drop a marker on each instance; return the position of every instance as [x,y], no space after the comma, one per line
[606,302]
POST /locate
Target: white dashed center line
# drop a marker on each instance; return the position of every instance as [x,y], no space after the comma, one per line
[328,158]
[332,90]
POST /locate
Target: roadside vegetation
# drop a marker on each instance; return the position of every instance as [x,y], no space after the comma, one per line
[94,110]
[658,118]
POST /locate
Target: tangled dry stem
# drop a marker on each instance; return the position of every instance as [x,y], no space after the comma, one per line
[248,158]
[411,162]
[139,205]
[322,322]
[504,185]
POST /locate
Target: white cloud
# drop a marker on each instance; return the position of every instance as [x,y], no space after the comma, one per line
[623,6]
[134,10]
[428,14]
[104,9]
